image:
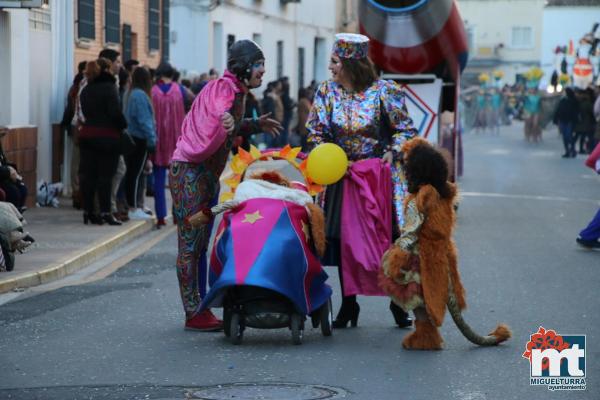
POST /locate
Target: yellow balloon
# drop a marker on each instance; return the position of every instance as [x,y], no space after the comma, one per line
[327,164]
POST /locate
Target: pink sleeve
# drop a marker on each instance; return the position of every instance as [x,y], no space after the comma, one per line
[201,132]
[593,158]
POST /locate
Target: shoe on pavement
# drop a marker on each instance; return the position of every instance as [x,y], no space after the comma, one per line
[138,214]
[590,244]
[28,238]
[204,322]
[121,216]
[147,211]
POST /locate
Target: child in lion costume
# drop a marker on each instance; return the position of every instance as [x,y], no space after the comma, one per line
[420,271]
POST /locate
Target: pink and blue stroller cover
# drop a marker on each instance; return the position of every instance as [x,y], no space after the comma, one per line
[266,243]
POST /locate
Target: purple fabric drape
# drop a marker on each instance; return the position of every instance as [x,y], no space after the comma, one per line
[366,225]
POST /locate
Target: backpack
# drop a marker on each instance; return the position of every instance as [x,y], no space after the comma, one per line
[47,194]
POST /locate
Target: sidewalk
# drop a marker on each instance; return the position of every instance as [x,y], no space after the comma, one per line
[65,245]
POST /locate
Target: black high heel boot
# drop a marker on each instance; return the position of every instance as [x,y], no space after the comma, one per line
[400,316]
[92,219]
[348,313]
[109,219]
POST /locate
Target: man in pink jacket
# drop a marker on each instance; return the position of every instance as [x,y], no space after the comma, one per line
[207,134]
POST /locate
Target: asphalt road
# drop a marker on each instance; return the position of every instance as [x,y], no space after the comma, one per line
[522,206]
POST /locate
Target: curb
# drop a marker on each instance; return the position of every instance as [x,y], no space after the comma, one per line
[77,261]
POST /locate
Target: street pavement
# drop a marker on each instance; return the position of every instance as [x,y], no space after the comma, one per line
[64,245]
[121,336]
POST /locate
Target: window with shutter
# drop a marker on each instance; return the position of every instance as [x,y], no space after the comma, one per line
[521,37]
[279,59]
[165,30]
[300,67]
[86,23]
[153,25]
[230,41]
[127,53]
[112,21]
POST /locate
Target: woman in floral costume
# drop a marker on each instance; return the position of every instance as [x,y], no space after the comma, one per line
[368,119]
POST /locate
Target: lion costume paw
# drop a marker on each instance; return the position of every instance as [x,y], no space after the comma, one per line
[424,337]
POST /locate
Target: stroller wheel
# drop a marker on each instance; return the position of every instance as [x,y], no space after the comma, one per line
[326,314]
[236,332]
[297,328]
[315,318]
[227,321]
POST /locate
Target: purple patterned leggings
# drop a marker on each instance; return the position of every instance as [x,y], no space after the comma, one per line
[193,187]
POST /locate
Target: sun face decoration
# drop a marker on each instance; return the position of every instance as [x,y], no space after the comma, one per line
[243,159]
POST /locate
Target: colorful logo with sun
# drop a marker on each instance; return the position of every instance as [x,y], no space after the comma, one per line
[545,339]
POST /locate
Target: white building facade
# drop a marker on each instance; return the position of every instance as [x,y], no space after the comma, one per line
[503,35]
[36,61]
[296,36]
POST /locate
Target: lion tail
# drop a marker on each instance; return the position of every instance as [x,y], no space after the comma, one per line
[499,335]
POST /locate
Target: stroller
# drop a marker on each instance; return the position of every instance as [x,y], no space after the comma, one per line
[263,268]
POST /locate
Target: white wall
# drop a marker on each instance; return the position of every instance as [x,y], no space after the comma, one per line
[562,24]
[493,21]
[19,62]
[217,46]
[62,14]
[189,44]
[296,24]
[5,61]
[40,48]
[36,63]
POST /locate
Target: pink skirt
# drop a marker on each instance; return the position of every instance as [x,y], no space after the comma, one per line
[405,290]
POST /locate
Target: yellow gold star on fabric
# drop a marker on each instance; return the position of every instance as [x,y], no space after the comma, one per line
[306,231]
[252,217]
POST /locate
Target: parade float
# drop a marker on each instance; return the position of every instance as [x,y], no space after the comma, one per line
[422,45]
[579,65]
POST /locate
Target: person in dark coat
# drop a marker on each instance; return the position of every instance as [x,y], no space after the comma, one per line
[68,125]
[566,116]
[99,136]
[268,106]
[252,111]
[288,110]
[586,126]
[69,111]
[11,183]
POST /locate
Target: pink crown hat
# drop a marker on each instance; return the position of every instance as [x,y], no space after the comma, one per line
[351,45]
